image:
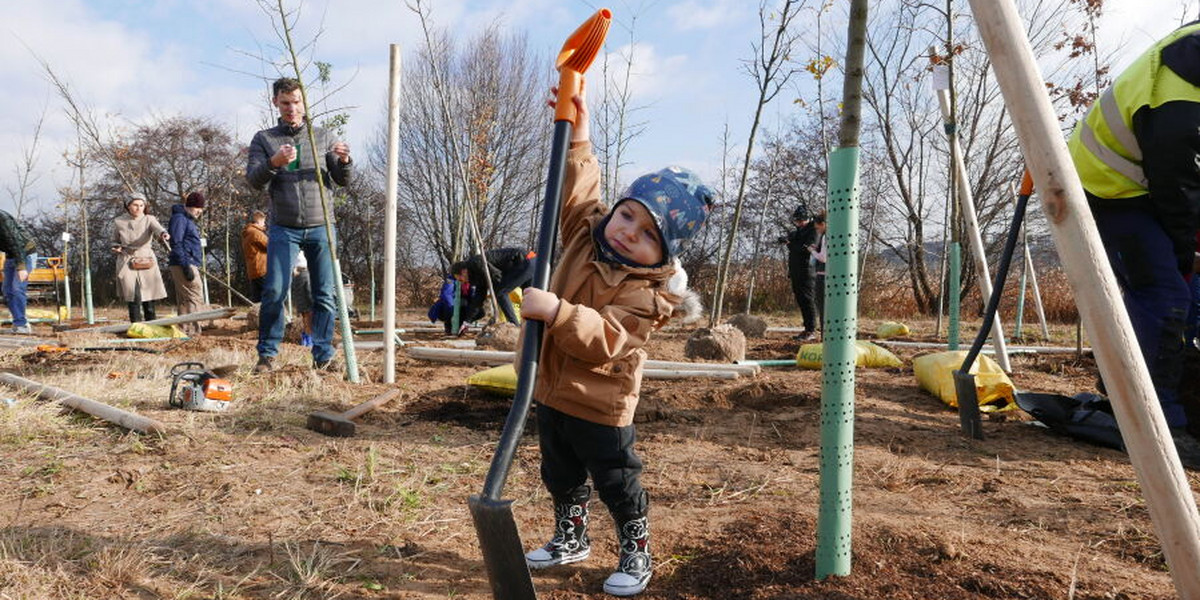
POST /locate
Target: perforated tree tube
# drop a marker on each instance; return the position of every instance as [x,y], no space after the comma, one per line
[837,380]
[954,286]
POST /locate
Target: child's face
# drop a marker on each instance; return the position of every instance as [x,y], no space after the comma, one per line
[633,234]
[820,227]
[462,276]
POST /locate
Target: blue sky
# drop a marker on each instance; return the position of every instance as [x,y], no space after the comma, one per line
[131,60]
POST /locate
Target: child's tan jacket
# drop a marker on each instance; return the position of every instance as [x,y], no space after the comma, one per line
[592,357]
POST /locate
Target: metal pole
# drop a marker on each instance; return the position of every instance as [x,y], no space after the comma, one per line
[228,262]
[955,294]
[389,223]
[1037,293]
[66,238]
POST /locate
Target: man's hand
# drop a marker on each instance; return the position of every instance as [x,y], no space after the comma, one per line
[283,156]
[539,305]
[188,273]
[342,150]
[23,275]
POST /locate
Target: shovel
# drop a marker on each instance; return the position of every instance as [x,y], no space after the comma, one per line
[964,381]
[503,554]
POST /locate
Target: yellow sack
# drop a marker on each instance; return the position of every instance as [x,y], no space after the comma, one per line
[868,355]
[143,330]
[501,380]
[891,329]
[45,313]
[935,374]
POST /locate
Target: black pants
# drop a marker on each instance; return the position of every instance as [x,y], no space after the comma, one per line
[819,299]
[136,312]
[508,282]
[802,288]
[573,449]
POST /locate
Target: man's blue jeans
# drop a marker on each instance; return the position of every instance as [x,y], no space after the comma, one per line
[1155,295]
[15,289]
[282,245]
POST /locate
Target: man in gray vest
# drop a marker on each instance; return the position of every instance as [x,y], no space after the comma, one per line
[280,160]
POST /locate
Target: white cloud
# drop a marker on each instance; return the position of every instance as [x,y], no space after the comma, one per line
[699,14]
[652,76]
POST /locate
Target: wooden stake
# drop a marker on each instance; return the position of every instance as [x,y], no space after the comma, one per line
[500,357]
[208,315]
[389,220]
[111,414]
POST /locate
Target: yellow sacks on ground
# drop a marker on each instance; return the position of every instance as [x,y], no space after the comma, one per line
[891,329]
[868,355]
[935,374]
[501,380]
[46,313]
[143,330]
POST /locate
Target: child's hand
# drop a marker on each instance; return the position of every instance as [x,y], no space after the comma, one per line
[581,131]
[539,305]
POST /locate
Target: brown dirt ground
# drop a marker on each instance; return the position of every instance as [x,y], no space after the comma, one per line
[250,504]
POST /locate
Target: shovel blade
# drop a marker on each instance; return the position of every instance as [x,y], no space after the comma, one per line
[503,554]
[968,405]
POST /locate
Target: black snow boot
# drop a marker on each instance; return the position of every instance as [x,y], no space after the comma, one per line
[570,542]
[148,310]
[634,569]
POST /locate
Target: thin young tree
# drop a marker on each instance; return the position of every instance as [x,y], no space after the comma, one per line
[25,172]
[771,68]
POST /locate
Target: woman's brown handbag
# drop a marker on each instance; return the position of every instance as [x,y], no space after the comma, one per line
[141,263]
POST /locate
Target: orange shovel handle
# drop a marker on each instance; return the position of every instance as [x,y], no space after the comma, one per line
[576,56]
[1026,184]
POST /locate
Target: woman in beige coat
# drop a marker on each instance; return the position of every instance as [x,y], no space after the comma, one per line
[133,236]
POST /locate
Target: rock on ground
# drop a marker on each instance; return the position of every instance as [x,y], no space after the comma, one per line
[252,317]
[752,326]
[724,343]
[500,336]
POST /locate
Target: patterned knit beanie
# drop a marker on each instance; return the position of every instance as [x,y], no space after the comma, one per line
[677,200]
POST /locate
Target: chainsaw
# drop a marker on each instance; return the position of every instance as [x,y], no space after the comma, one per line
[195,388]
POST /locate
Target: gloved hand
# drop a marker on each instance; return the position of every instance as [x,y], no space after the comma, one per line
[189,273]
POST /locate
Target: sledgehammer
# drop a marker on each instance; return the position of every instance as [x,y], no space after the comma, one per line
[341,425]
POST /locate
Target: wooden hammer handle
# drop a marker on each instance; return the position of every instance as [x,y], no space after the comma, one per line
[371,404]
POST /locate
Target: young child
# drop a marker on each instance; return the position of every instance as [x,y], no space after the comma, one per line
[443,309]
[609,292]
[818,263]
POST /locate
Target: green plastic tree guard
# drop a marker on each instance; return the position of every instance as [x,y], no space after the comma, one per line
[955,285]
[837,380]
[454,321]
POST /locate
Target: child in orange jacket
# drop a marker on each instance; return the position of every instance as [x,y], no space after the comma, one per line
[617,282]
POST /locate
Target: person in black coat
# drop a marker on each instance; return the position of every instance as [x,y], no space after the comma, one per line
[509,268]
[800,242]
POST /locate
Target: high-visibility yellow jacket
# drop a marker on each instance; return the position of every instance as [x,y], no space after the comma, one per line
[1139,144]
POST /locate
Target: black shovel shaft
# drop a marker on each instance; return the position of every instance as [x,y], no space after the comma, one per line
[964,381]
[531,348]
[989,315]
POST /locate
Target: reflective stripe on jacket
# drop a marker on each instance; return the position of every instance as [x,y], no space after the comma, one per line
[1104,145]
